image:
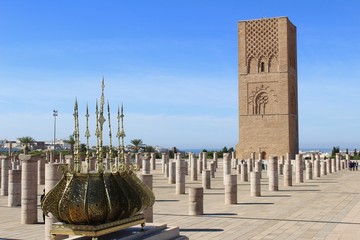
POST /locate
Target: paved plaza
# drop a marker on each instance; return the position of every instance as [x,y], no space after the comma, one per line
[322,208]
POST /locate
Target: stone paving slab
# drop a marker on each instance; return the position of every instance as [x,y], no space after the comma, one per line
[322,208]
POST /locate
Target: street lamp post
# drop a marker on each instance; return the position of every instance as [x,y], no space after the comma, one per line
[55,114]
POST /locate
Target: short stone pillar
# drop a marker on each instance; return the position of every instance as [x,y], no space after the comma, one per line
[213,169]
[180,177]
[153,161]
[166,170]
[147,179]
[238,169]
[163,161]
[337,162]
[255,184]
[53,175]
[138,161]
[250,165]
[28,189]
[215,159]
[14,198]
[347,160]
[5,167]
[258,167]
[287,173]
[172,170]
[204,160]
[206,182]
[281,165]
[226,165]
[328,166]
[69,160]
[199,165]
[194,168]
[244,173]
[41,171]
[299,173]
[333,165]
[146,164]
[231,189]
[309,170]
[317,168]
[196,201]
[273,174]
[323,168]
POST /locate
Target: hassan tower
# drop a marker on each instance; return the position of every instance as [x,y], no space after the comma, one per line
[268,94]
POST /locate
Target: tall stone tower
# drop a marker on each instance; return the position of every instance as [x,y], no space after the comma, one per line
[268,94]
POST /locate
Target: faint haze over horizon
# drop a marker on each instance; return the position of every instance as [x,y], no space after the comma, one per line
[173,64]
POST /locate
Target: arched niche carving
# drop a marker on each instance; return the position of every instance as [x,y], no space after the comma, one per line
[273,64]
[252,65]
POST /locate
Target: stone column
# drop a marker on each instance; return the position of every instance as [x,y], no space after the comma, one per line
[250,165]
[127,160]
[61,159]
[273,174]
[281,165]
[333,165]
[28,189]
[5,167]
[258,167]
[317,168]
[172,170]
[69,161]
[238,169]
[138,161]
[166,169]
[147,179]
[309,170]
[204,160]
[14,198]
[180,177]
[41,171]
[347,158]
[196,201]
[53,175]
[153,161]
[230,189]
[323,168]
[194,171]
[226,164]
[287,173]
[146,164]
[163,161]
[213,169]
[337,162]
[328,165]
[199,164]
[244,172]
[255,184]
[215,159]
[299,174]
[206,182]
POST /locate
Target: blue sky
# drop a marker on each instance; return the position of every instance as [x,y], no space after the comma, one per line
[174,66]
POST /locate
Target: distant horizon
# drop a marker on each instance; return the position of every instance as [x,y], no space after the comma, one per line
[174,66]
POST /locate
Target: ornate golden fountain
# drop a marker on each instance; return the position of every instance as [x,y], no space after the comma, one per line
[91,203]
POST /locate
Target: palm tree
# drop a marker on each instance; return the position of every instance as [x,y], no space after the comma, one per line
[136,143]
[71,141]
[26,142]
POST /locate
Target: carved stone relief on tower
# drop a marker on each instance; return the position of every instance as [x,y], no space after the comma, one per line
[262,100]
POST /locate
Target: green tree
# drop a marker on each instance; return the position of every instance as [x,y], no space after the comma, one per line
[71,142]
[149,149]
[26,142]
[224,150]
[335,150]
[231,149]
[136,144]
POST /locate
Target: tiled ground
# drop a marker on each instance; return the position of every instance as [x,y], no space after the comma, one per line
[323,208]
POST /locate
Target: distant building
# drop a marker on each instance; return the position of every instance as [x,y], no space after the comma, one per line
[268,92]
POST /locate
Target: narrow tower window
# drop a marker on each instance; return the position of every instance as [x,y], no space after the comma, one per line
[262,67]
